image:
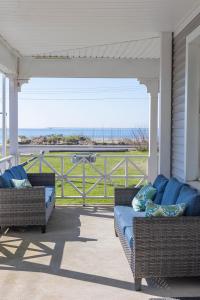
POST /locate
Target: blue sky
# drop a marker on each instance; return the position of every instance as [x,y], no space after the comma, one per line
[83,103]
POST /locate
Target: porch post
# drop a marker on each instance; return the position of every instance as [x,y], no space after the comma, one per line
[4,133]
[153,90]
[13,116]
[165,104]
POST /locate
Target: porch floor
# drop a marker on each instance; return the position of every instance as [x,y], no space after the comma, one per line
[78,258]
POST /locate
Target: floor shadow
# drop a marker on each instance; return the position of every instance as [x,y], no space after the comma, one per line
[63,227]
[19,247]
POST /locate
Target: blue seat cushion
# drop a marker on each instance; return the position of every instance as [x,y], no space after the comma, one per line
[120,209]
[49,195]
[160,184]
[191,197]
[5,179]
[129,236]
[18,172]
[124,216]
[171,192]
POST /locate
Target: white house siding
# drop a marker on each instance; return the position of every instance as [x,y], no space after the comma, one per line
[178,98]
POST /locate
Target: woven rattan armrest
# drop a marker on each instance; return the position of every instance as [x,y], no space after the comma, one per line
[166,247]
[26,196]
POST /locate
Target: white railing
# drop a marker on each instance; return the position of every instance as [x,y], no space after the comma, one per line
[6,162]
[91,180]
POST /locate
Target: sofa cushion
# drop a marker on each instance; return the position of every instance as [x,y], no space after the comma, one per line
[49,195]
[171,192]
[191,197]
[129,236]
[119,210]
[140,199]
[18,172]
[160,185]
[124,217]
[5,179]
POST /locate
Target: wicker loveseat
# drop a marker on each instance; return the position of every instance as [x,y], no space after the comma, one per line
[158,247]
[28,206]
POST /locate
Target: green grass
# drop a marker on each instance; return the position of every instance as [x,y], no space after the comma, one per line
[99,164]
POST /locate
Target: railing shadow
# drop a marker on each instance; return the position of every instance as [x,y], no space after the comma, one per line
[18,246]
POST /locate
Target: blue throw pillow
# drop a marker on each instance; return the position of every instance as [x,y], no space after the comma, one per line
[171,192]
[6,179]
[160,184]
[191,198]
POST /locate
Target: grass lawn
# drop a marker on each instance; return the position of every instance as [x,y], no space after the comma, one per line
[56,160]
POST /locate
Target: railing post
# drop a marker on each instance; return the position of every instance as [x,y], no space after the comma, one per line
[105,177]
[40,163]
[126,172]
[83,182]
[62,175]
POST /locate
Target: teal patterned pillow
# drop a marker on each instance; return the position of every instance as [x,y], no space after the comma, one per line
[155,210]
[21,183]
[145,193]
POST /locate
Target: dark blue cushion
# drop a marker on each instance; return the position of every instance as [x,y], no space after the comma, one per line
[129,236]
[49,195]
[124,216]
[160,185]
[15,173]
[18,172]
[171,192]
[191,197]
[6,179]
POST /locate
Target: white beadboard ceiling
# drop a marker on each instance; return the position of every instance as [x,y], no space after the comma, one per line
[90,28]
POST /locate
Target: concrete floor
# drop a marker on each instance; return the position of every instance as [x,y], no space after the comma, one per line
[78,258]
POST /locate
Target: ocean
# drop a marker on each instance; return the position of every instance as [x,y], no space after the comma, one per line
[93,133]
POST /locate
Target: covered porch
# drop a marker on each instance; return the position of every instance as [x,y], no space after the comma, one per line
[155,42]
[79,257]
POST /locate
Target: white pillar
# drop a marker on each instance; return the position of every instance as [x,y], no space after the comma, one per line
[153,90]
[13,116]
[4,133]
[165,104]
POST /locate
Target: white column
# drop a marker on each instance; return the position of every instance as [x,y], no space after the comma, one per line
[165,104]
[4,133]
[153,90]
[13,116]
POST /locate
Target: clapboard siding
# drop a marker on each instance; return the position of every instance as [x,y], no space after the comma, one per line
[178,98]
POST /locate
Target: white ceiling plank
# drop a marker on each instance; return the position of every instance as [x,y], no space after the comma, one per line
[39,27]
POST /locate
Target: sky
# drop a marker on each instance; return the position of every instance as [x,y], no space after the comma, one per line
[75,102]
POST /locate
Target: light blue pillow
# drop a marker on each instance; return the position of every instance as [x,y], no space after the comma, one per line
[21,183]
[147,192]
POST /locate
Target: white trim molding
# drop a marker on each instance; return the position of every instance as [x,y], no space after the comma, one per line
[165,104]
[88,68]
[192,107]
[152,86]
[186,20]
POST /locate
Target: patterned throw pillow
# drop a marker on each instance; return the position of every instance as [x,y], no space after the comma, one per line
[21,184]
[147,192]
[155,210]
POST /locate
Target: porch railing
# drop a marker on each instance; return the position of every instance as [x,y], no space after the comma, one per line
[91,180]
[7,162]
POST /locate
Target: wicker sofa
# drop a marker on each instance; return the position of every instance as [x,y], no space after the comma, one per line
[159,247]
[28,206]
